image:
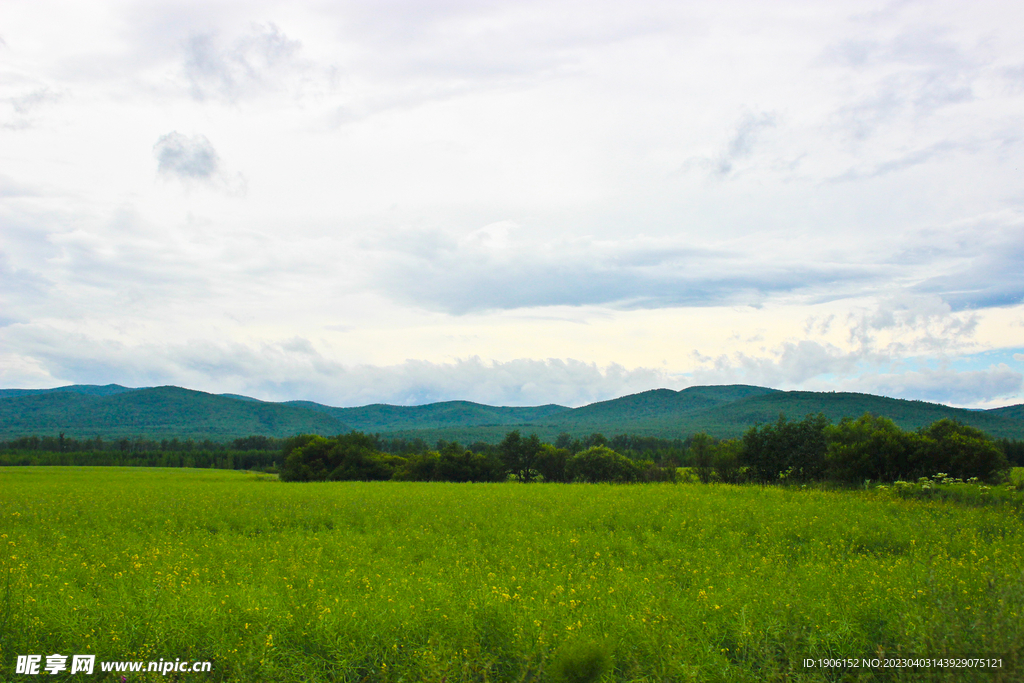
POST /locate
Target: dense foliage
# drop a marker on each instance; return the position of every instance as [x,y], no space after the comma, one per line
[356,457]
[869,448]
[249,453]
[854,450]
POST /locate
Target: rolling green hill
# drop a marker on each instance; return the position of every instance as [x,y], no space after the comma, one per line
[85,389]
[652,412]
[1016,412]
[722,411]
[159,412]
[381,417]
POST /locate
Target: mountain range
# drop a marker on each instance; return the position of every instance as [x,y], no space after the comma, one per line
[113,411]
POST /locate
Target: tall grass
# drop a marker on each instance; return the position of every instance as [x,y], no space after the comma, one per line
[499,582]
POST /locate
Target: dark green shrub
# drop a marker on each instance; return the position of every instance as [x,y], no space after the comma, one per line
[961,452]
[346,457]
[726,459]
[551,463]
[601,464]
[519,455]
[790,450]
[649,472]
[871,447]
[701,457]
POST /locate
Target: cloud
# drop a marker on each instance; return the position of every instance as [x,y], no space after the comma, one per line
[12,188]
[495,267]
[740,146]
[190,158]
[257,61]
[810,365]
[908,160]
[913,74]
[912,324]
[26,107]
[963,388]
[293,369]
[194,160]
[788,366]
[975,265]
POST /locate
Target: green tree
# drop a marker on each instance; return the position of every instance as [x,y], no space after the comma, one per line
[701,457]
[795,450]
[551,463]
[726,458]
[519,455]
[960,451]
[871,447]
[601,464]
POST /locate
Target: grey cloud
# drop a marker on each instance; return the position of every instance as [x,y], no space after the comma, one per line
[915,324]
[922,73]
[191,158]
[478,274]
[968,387]
[1014,76]
[903,162]
[194,160]
[980,266]
[26,107]
[740,146]
[977,264]
[251,64]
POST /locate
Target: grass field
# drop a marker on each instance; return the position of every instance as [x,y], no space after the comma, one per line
[498,582]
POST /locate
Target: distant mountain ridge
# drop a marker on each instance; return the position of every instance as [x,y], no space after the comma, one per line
[85,389]
[113,411]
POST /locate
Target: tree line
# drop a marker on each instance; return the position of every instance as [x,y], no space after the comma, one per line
[812,449]
[354,456]
[867,448]
[855,450]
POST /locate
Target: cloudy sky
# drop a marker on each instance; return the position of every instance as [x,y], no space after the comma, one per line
[513,202]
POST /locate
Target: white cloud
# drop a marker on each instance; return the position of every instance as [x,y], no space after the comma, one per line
[962,388]
[425,177]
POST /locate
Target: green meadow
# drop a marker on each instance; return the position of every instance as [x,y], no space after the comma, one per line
[390,581]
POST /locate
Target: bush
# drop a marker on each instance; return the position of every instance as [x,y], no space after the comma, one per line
[650,471]
[793,450]
[727,460]
[551,463]
[701,457]
[601,464]
[519,455]
[348,457]
[961,451]
[452,463]
[872,447]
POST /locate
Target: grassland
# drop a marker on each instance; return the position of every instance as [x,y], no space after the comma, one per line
[498,582]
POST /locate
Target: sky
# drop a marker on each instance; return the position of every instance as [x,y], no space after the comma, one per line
[515,203]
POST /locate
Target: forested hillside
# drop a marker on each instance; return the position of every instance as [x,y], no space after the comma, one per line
[721,411]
